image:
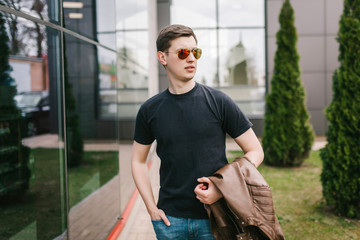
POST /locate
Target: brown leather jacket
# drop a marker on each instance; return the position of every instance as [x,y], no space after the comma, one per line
[246,211]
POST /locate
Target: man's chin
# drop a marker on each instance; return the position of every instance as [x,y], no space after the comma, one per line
[189,77]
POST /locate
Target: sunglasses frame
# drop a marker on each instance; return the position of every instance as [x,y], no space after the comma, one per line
[188,51]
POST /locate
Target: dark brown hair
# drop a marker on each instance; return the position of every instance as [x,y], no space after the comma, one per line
[171,32]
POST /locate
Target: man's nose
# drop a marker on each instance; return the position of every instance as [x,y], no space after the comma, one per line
[191,57]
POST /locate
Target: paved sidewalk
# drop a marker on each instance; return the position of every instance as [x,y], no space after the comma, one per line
[139,227]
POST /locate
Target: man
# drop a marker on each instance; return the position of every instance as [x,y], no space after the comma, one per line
[189,121]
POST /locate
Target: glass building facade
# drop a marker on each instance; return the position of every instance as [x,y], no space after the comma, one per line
[232,36]
[75,74]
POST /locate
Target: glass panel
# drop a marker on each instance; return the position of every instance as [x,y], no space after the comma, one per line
[105,15]
[92,148]
[233,59]
[107,39]
[90,18]
[198,13]
[133,62]
[241,13]
[80,17]
[32,186]
[133,59]
[242,67]
[106,23]
[132,15]
[207,64]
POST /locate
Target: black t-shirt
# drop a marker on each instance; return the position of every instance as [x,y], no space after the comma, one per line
[190,131]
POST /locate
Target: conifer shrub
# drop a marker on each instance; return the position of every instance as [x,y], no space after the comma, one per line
[14,157]
[74,141]
[341,156]
[288,135]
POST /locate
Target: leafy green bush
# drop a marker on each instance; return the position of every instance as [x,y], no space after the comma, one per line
[288,135]
[341,156]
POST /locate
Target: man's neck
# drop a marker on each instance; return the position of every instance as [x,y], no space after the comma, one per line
[181,87]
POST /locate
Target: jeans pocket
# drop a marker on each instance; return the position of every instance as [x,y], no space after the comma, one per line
[160,229]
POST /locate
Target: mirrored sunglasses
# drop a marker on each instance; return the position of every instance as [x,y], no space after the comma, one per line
[185,52]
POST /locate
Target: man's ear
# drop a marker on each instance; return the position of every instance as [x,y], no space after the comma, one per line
[161,57]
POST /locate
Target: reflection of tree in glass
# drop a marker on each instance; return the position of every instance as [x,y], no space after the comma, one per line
[38,7]
[14,171]
[12,23]
[74,139]
[26,37]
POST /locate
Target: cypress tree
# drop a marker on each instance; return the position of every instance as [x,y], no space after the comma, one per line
[14,157]
[341,156]
[75,142]
[7,83]
[288,135]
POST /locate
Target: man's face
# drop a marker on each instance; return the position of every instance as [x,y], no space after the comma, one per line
[180,69]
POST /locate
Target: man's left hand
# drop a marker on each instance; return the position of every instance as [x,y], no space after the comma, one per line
[206,191]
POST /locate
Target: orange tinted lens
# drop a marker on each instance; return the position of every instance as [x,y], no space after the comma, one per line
[197,52]
[183,53]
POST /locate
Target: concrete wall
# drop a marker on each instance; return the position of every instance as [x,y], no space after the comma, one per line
[317,26]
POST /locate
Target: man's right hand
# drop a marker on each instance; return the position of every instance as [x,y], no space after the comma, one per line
[159,214]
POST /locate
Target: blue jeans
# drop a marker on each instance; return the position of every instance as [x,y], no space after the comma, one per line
[183,229]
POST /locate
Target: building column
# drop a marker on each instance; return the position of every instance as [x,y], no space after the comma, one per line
[163,19]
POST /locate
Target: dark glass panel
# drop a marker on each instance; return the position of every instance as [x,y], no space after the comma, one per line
[90,18]
[93,181]
[32,186]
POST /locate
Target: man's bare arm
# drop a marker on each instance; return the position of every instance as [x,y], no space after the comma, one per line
[140,174]
[251,147]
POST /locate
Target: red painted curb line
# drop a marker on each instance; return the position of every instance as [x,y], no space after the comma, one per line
[121,223]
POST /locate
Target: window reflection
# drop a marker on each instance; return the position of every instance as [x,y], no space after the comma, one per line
[207,64]
[241,13]
[33,189]
[196,14]
[26,38]
[42,9]
[91,67]
[132,15]
[242,61]
[30,172]
[233,47]
[123,98]
[242,68]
